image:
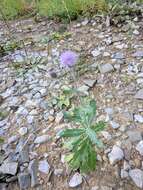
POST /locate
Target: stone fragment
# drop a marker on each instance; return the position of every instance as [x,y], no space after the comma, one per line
[139,147]
[139,95]
[137,177]
[44,166]
[106,68]
[42,139]
[115,155]
[33,170]
[9,168]
[24,181]
[76,180]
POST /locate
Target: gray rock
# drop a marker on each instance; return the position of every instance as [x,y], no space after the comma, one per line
[9,168]
[118,56]
[23,131]
[76,180]
[3,186]
[124,174]
[42,139]
[137,177]
[138,54]
[115,155]
[24,181]
[105,68]
[95,53]
[59,117]
[114,125]
[44,167]
[33,170]
[84,89]
[24,156]
[89,82]
[139,94]
[139,147]
[12,139]
[106,135]
[134,135]
[138,118]
[58,172]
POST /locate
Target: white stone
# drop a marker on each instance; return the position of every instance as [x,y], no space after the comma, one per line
[139,147]
[44,166]
[114,125]
[95,53]
[76,180]
[42,139]
[115,155]
[137,177]
[138,118]
[23,131]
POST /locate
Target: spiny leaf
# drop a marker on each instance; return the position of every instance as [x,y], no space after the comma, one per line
[99,126]
[93,137]
[71,132]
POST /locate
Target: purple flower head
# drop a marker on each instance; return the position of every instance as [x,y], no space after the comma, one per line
[68,59]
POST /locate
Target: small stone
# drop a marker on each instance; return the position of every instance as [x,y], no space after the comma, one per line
[95,188]
[9,168]
[124,174]
[106,135]
[89,82]
[138,118]
[136,32]
[114,125]
[105,68]
[58,172]
[33,170]
[138,54]
[44,166]
[24,155]
[3,186]
[84,89]
[139,94]
[23,131]
[95,53]
[139,147]
[118,56]
[42,139]
[59,117]
[137,177]
[115,155]
[134,136]
[12,139]
[24,181]
[76,180]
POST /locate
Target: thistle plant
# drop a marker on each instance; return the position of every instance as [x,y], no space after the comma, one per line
[82,141]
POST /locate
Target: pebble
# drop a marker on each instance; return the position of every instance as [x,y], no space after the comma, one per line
[106,68]
[115,155]
[89,82]
[138,54]
[137,177]
[124,174]
[76,180]
[59,117]
[33,170]
[44,166]
[95,53]
[23,131]
[12,139]
[139,147]
[138,118]
[114,125]
[134,135]
[139,94]
[9,168]
[42,139]
[24,181]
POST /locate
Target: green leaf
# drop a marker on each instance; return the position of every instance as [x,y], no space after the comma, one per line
[99,126]
[93,137]
[71,132]
[83,115]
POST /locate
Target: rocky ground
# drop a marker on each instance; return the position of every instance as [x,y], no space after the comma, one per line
[111,69]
